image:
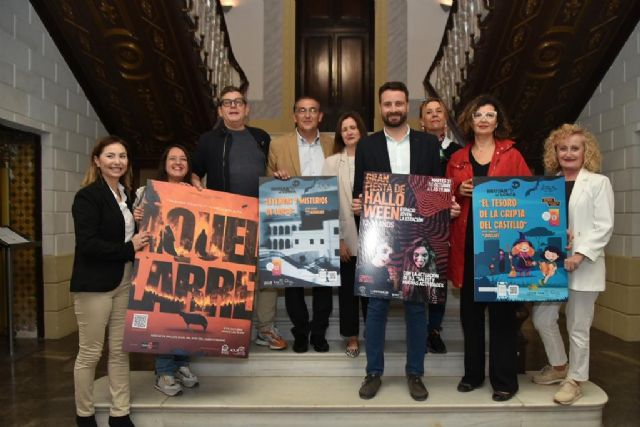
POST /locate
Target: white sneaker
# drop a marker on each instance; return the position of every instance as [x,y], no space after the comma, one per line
[168,385]
[186,377]
[549,375]
[271,338]
[569,392]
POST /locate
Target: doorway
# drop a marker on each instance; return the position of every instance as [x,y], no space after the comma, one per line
[335,57]
[20,185]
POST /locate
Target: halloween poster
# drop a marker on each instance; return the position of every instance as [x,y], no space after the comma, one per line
[193,285]
[520,238]
[404,238]
[299,232]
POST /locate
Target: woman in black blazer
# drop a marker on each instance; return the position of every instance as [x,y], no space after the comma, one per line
[101,277]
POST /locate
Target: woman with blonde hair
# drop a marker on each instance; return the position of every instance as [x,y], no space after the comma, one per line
[101,277]
[572,151]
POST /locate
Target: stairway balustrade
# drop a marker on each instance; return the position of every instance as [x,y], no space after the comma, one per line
[211,39]
[456,53]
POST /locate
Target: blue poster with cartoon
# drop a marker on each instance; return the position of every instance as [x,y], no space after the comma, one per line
[520,236]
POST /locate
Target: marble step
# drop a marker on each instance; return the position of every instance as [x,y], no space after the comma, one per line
[286,363]
[329,400]
[451,327]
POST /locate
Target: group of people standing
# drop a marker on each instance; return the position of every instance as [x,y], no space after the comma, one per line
[233,155]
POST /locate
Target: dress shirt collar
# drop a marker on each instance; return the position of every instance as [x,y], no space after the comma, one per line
[302,141]
[403,139]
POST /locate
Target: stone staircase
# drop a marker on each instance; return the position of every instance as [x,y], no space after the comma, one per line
[282,388]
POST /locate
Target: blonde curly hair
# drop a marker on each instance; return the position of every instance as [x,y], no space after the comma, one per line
[592,155]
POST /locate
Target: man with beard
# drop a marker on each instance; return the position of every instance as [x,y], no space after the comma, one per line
[397,149]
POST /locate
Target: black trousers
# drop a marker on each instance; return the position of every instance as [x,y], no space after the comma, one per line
[503,338]
[299,314]
[349,303]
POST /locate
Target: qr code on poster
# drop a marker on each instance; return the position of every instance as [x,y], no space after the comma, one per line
[140,321]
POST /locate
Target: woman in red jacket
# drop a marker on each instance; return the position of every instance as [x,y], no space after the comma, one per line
[488,152]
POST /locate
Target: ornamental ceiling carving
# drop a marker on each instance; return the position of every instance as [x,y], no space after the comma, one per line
[544,59]
[139,67]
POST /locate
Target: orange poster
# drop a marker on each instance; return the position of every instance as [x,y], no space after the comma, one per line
[193,286]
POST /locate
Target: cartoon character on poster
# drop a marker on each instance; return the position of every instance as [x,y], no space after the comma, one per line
[521,256]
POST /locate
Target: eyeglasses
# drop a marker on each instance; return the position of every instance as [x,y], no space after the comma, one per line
[489,116]
[302,110]
[238,102]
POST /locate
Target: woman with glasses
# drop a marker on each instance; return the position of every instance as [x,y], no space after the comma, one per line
[349,131]
[488,152]
[172,370]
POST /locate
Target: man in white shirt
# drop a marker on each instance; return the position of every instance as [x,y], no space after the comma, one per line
[302,153]
[400,150]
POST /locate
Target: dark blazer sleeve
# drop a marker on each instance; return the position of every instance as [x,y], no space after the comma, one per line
[363,162]
[91,221]
[200,156]
[430,155]
[358,176]
[101,252]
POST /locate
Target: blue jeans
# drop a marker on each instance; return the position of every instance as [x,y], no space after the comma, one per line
[416,324]
[168,364]
[436,314]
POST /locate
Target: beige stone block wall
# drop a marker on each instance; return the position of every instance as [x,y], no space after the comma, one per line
[618,307]
[59,318]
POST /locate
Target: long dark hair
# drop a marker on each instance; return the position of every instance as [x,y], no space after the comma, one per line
[162,167]
[409,265]
[339,144]
[465,121]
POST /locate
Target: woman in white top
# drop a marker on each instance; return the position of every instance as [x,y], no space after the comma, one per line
[573,152]
[101,277]
[349,130]
[172,370]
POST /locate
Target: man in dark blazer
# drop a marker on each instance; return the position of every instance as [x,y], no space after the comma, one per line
[401,150]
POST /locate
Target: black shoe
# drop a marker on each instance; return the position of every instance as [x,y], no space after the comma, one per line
[466,387]
[123,421]
[319,344]
[89,421]
[502,396]
[300,344]
[435,343]
[370,386]
[417,390]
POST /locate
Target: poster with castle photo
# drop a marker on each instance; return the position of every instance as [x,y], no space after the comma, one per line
[520,236]
[193,286]
[404,237]
[299,232]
